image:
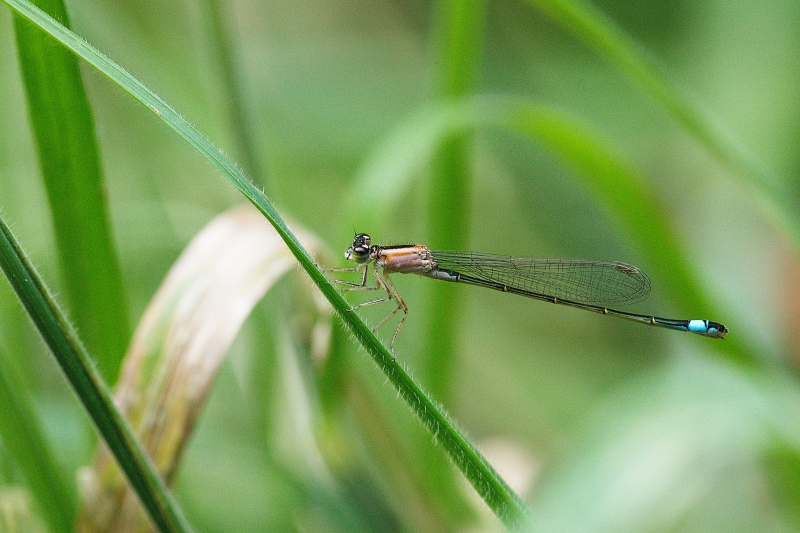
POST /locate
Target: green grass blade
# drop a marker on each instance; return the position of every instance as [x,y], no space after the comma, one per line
[457,40]
[226,63]
[601,34]
[458,34]
[458,37]
[24,440]
[494,491]
[70,163]
[88,385]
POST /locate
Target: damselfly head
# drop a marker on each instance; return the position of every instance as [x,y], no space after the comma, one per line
[359,250]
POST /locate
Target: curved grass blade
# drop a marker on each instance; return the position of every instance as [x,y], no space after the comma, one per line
[179,345]
[600,33]
[484,479]
[88,385]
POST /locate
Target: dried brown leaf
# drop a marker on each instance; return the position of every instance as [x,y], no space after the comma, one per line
[179,346]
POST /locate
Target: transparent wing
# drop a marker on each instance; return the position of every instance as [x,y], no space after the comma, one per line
[581,281]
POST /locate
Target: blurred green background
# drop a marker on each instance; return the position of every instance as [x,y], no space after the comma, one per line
[599,424]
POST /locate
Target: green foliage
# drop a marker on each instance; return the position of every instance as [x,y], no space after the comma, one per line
[70,163]
[637,132]
[25,442]
[88,385]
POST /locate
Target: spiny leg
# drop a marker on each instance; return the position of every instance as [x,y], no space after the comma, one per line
[351,286]
[391,290]
[381,282]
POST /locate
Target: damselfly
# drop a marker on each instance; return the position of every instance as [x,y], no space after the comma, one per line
[585,284]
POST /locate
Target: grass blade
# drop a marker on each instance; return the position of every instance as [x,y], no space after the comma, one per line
[487,483]
[179,345]
[24,440]
[458,40]
[225,61]
[88,385]
[70,163]
[601,34]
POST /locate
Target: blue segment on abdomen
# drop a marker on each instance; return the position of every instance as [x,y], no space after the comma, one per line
[698,326]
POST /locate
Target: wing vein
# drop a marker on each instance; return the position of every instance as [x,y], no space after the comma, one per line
[578,280]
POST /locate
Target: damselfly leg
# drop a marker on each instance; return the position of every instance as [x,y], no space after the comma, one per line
[382,282]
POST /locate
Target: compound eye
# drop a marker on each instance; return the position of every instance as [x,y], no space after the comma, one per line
[361,239]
